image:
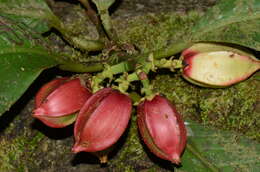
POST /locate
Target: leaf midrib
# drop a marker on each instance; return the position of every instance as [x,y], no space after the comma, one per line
[25,50]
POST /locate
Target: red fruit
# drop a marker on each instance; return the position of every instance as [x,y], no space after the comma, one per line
[47,89]
[101,121]
[162,128]
[58,101]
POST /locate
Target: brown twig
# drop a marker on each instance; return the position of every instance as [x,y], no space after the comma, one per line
[91,13]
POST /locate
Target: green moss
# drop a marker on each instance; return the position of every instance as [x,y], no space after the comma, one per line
[232,108]
[147,33]
[17,151]
[132,150]
[156,31]
[184,95]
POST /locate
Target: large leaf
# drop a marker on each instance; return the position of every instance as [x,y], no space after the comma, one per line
[33,13]
[22,58]
[226,150]
[232,21]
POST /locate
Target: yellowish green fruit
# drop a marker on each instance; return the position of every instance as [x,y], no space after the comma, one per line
[212,65]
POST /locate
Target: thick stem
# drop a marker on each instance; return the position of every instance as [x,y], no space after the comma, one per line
[169,64]
[146,63]
[145,67]
[78,42]
[80,68]
[107,23]
[158,54]
[125,80]
[85,44]
[108,73]
[147,89]
[171,50]
[122,67]
[135,97]
[129,65]
[132,77]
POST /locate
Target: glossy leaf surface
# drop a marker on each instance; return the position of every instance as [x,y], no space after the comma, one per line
[225,150]
[32,13]
[232,21]
[23,56]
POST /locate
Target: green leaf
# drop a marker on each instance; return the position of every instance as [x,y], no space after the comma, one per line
[103,4]
[231,21]
[226,150]
[33,13]
[23,56]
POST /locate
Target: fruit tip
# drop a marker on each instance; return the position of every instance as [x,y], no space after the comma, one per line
[176,159]
[38,112]
[77,148]
[103,159]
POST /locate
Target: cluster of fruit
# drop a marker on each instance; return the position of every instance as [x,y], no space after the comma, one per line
[102,115]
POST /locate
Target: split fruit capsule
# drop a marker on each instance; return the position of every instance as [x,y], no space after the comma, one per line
[101,122]
[161,128]
[215,65]
[58,101]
